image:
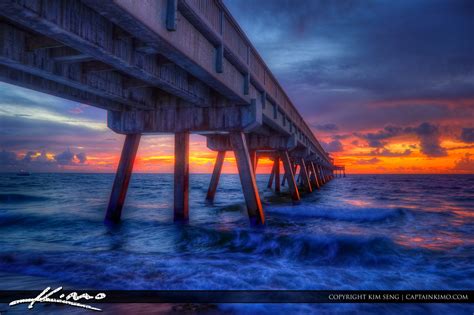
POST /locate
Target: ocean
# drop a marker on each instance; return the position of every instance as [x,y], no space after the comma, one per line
[359,232]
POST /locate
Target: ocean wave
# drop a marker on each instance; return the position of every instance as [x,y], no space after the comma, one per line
[353,214]
[335,249]
[19,198]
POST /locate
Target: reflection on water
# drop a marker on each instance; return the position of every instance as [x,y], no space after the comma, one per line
[359,232]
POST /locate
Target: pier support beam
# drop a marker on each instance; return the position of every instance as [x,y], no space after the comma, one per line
[247,178]
[254,160]
[320,173]
[211,192]
[314,176]
[277,174]
[122,178]
[304,176]
[272,176]
[181,177]
[290,177]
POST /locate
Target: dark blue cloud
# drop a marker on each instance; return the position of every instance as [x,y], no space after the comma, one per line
[467,135]
[333,146]
[327,127]
[335,57]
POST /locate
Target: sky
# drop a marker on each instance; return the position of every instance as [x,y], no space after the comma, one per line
[386,86]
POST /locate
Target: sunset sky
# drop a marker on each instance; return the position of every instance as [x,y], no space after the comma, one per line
[386,86]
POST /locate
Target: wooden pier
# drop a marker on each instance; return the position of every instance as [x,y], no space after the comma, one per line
[165,66]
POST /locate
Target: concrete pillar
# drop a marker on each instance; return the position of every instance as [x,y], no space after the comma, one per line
[272,176]
[211,192]
[321,175]
[253,159]
[314,176]
[247,178]
[277,174]
[181,177]
[290,177]
[294,167]
[304,176]
[122,178]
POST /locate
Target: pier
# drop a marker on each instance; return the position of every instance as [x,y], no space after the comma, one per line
[166,67]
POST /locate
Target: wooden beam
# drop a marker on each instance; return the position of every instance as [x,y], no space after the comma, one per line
[133,83]
[13,54]
[34,42]
[181,177]
[247,178]
[66,54]
[211,192]
[290,177]
[95,67]
[38,83]
[122,178]
[118,53]
[304,176]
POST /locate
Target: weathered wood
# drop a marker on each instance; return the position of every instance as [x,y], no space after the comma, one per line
[177,118]
[34,42]
[255,141]
[66,54]
[96,39]
[13,54]
[122,178]
[277,173]
[290,177]
[95,67]
[247,178]
[181,177]
[40,84]
[211,192]
[304,176]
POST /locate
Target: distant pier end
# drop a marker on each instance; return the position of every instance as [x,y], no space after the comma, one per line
[165,66]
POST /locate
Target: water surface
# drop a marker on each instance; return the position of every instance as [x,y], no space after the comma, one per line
[359,232]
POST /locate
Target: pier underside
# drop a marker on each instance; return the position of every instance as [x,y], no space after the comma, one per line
[165,67]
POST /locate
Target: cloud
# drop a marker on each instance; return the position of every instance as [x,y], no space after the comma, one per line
[375,139]
[82,157]
[368,162]
[465,164]
[428,135]
[65,158]
[333,146]
[327,127]
[40,161]
[388,153]
[7,158]
[467,135]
